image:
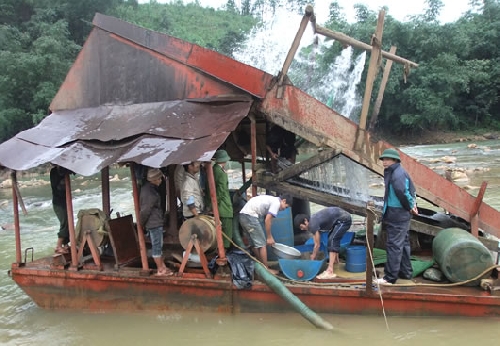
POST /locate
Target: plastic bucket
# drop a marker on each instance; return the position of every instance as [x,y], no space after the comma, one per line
[355,259]
[282,231]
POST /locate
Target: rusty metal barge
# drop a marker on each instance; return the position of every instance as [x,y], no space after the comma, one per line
[134,96]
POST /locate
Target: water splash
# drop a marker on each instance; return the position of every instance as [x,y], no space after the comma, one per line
[344,97]
[268,44]
[267,47]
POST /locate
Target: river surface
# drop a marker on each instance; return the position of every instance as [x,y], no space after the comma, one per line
[23,323]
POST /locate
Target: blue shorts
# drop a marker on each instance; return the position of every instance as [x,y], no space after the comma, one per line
[253,229]
[156,236]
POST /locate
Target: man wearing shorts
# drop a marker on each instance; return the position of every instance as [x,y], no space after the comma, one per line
[260,209]
[334,220]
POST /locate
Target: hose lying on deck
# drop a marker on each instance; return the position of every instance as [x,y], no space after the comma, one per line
[280,289]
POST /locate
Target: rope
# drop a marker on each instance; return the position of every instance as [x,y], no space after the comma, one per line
[372,210]
[361,282]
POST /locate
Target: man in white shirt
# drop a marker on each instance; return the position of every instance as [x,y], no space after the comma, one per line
[191,193]
[260,209]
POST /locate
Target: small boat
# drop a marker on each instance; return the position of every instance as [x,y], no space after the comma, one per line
[141,98]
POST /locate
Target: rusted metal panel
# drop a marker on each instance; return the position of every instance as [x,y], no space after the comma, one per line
[121,63]
[314,121]
[94,291]
[155,135]
[223,68]
[173,119]
[112,70]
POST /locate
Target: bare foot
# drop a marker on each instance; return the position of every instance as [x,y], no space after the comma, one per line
[165,272]
[61,250]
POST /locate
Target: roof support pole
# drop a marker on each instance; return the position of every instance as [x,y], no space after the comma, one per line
[106,200]
[15,204]
[253,148]
[370,220]
[140,231]
[71,223]
[215,208]
[474,217]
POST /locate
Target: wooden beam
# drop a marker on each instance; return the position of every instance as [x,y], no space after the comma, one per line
[353,207]
[293,49]
[380,95]
[253,148]
[343,38]
[15,204]
[372,68]
[311,162]
[424,228]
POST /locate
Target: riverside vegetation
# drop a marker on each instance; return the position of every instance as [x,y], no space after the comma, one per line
[455,87]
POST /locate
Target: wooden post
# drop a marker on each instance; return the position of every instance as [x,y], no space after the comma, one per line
[140,231]
[474,217]
[15,204]
[172,205]
[253,146]
[372,68]
[71,223]
[380,96]
[343,38]
[106,200]
[370,218]
[293,49]
[218,227]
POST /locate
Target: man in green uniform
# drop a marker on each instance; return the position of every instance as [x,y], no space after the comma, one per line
[224,203]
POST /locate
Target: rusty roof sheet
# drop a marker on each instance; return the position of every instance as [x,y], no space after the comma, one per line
[153,134]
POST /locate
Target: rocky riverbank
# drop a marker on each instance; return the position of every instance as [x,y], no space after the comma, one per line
[439,137]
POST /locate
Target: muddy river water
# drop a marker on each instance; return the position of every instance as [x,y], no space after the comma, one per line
[23,323]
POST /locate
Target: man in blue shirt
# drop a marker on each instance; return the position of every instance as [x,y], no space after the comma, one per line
[399,205]
[334,220]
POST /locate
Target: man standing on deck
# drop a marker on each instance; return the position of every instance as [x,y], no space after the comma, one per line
[151,218]
[334,220]
[258,210]
[399,205]
[191,193]
[224,202]
[58,186]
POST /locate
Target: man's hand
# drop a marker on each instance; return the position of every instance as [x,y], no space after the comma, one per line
[414,211]
[270,241]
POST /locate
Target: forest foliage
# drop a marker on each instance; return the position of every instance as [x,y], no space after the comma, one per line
[455,87]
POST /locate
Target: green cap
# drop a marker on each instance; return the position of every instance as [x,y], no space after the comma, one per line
[221,156]
[390,154]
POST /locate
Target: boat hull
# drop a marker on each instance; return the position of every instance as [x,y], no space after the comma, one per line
[103,291]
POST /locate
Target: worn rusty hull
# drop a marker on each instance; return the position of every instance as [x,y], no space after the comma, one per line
[104,291]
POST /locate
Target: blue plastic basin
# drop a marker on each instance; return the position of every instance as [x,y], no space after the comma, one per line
[300,270]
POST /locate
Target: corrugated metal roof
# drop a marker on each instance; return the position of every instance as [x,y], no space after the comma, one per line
[153,134]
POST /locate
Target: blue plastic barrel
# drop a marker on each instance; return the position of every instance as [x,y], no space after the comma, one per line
[355,259]
[282,231]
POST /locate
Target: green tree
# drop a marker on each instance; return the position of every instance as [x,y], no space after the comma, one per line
[34,61]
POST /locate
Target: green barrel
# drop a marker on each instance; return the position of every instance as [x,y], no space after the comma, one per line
[460,255]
